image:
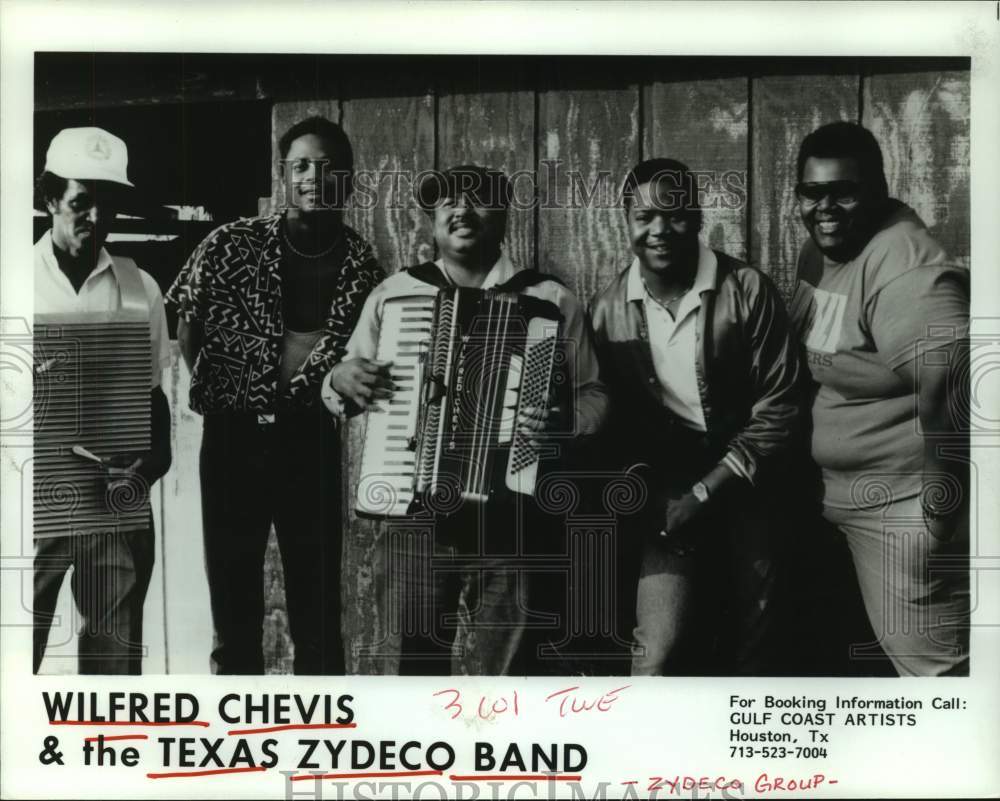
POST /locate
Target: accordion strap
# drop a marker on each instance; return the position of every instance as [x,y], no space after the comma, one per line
[522,279]
[133,293]
[430,273]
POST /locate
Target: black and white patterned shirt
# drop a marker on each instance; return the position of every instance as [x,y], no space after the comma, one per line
[231,285]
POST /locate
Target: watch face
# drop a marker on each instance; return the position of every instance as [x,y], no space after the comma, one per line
[700,491]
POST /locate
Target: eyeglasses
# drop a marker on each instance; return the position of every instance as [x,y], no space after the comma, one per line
[843,193]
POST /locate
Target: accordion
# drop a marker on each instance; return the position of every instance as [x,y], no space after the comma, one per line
[465,361]
[91,401]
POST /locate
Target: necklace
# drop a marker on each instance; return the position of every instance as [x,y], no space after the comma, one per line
[667,301]
[301,255]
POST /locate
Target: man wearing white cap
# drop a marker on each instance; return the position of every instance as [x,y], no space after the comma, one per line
[84,183]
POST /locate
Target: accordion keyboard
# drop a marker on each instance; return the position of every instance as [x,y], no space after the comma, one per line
[388,460]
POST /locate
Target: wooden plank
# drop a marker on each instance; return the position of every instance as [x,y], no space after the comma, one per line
[93,80]
[785,108]
[61,648]
[921,119]
[189,619]
[393,138]
[704,123]
[154,617]
[489,119]
[588,139]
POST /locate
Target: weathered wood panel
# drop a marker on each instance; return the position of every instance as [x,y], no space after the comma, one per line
[921,119]
[585,129]
[189,622]
[704,123]
[587,140]
[479,123]
[785,109]
[393,139]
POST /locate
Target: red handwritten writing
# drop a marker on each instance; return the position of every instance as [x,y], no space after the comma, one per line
[488,708]
[568,701]
[453,705]
[768,784]
[687,784]
[573,703]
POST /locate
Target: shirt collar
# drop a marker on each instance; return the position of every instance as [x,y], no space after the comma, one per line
[704,279]
[46,248]
[502,271]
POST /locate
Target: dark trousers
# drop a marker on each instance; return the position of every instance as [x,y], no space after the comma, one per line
[464,593]
[110,577]
[286,473]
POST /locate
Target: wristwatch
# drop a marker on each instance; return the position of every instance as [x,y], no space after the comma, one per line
[700,491]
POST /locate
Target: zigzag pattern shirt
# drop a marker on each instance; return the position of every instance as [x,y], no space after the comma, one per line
[231,285]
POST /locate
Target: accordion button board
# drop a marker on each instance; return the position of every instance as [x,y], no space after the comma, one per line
[465,362]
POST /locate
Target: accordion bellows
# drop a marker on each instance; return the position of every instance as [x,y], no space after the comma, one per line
[92,377]
[464,362]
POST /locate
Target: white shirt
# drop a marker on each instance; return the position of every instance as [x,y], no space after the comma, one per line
[590,395]
[672,340]
[54,294]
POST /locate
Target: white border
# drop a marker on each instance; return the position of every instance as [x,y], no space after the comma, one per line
[961,757]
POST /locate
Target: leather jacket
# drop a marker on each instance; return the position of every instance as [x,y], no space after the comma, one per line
[750,380]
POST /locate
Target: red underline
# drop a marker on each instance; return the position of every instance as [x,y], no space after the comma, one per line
[202,773]
[109,738]
[385,774]
[502,777]
[290,726]
[126,723]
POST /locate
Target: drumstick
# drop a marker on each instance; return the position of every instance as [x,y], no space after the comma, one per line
[79,450]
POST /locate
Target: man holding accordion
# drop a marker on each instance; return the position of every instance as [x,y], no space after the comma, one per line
[456,434]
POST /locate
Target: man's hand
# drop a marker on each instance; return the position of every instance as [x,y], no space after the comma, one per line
[533,422]
[362,381]
[680,512]
[943,528]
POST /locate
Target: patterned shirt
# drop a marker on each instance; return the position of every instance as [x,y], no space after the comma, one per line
[231,285]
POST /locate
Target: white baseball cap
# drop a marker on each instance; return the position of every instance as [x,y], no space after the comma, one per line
[88,154]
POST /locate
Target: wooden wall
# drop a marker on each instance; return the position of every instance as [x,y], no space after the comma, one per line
[596,116]
[593,115]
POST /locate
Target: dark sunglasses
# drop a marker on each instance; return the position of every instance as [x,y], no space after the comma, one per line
[843,193]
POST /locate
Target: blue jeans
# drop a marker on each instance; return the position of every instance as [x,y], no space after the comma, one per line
[711,611]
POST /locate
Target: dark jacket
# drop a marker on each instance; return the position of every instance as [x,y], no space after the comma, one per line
[748,368]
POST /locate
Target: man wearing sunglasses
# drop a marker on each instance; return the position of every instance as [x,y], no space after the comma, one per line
[884,316]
